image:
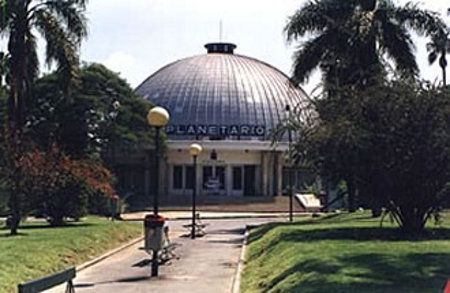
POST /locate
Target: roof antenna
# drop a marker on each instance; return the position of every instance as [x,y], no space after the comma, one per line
[220,31]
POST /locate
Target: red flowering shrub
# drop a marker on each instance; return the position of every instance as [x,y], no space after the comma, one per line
[58,186]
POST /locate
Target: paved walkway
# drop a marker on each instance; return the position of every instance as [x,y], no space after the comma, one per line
[176,215]
[206,264]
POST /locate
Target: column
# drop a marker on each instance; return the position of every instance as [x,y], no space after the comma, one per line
[258,180]
[265,174]
[279,174]
[229,180]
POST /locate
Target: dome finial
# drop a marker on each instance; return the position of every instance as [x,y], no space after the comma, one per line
[224,48]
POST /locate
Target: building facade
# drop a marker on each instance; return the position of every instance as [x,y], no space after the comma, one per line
[230,104]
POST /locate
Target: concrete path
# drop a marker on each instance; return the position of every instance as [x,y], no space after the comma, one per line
[183,215]
[206,264]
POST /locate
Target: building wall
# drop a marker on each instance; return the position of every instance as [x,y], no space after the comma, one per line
[259,162]
[137,175]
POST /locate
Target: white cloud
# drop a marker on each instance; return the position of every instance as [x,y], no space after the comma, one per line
[120,62]
[138,37]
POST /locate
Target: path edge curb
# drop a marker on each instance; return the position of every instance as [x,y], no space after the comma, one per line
[108,254]
[231,217]
[235,288]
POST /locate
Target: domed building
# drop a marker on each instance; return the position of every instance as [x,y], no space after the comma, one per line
[229,104]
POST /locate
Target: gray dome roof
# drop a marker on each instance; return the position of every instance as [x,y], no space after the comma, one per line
[221,88]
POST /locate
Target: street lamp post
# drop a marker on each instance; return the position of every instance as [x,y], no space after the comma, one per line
[194,150]
[157,117]
[290,182]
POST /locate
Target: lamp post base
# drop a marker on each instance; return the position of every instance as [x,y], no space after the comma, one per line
[155,263]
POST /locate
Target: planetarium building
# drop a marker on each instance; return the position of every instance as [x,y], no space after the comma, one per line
[229,104]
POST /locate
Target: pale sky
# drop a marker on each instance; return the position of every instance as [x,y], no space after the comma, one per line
[137,37]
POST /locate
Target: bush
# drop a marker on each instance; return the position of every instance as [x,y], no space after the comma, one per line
[68,201]
[60,187]
[98,204]
[409,144]
[391,144]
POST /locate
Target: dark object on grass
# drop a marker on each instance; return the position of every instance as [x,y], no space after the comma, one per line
[48,282]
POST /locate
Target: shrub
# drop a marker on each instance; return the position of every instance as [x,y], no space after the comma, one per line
[390,143]
[60,186]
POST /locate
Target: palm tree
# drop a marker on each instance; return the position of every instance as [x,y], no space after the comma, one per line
[62,25]
[349,42]
[439,47]
[350,39]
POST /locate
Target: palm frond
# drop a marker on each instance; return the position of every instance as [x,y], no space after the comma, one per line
[432,57]
[440,44]
[316,16]
[423,22]
[60,47]
[4,15]
[431,46]
[396,41]
[68,12]
[308,57]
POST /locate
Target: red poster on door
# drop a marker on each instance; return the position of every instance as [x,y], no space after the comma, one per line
[447,288]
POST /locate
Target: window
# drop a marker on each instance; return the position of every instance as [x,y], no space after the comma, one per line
[237,178]
[207,174]
[220,174]
[190,180]
[177,177]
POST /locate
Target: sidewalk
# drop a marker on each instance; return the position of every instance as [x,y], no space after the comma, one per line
[182,215]
[205,265]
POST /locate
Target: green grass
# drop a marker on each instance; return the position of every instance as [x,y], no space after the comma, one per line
[40,250]
[346,253]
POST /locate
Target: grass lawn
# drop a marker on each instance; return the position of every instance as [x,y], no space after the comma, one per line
[346,253]
[40,250]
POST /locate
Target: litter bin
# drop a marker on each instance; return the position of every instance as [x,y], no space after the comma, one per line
[153,231]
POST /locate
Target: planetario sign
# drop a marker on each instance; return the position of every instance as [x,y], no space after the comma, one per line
[217,130]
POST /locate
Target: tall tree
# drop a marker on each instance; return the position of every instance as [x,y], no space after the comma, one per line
[350,42]
[349,39]
[395,139]
[438,48]
[62,25]
[104,114]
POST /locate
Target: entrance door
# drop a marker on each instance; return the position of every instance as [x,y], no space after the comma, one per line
[249,180]
[214,182]
[238,181]
[220,174]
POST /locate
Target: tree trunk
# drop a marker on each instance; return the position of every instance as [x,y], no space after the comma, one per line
[376,199]
[444,77]
[14,176]
[351,196]
[57,221]
[376,209]
[411,222]
[14,203]
[56,217]
[14,224]
[443,64]
[19,88]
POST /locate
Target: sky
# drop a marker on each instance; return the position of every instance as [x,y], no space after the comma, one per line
[138,37]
